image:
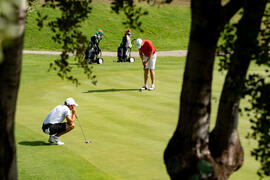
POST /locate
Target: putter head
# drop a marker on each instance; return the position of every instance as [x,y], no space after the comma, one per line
[86,142]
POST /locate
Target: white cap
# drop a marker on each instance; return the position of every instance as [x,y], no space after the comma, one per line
[70,101]
[138,43]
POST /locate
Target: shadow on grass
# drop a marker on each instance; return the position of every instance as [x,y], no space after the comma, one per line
[109,90]
[35,143]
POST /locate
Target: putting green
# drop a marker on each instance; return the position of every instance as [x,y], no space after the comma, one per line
[129,129]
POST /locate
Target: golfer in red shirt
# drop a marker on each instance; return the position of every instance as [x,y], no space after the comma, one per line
[148,55]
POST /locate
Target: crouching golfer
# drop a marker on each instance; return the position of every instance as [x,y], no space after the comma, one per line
[148,56]
[53,124]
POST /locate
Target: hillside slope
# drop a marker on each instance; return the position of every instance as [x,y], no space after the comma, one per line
[167,26]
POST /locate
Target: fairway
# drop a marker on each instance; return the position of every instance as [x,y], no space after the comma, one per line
[129,129]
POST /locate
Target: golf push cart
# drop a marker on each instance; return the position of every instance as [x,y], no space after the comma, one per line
[124,50]
[93,55]
[93,52]
[124,55]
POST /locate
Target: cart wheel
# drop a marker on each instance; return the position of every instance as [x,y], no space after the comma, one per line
[132,59]
[100,60]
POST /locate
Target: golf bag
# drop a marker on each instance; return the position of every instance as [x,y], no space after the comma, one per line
[121,53]
[124,52]
[90,53]
[93,52]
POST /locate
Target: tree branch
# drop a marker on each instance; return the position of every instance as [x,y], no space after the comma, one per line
[229,10]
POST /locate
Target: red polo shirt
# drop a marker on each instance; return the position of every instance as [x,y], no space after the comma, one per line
[147,47]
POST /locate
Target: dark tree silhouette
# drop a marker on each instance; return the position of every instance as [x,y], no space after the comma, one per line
[10,71]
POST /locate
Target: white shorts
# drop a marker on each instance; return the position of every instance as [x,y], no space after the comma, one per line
[152,62]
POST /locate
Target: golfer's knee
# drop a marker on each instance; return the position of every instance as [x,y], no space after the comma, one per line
[70,127]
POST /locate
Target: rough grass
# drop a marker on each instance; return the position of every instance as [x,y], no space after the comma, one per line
[129,130]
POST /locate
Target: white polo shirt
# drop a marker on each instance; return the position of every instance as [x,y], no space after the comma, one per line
[57,115]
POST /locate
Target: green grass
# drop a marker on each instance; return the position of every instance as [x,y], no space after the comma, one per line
[128,135]
[46,161]
[129,129]
[167,26]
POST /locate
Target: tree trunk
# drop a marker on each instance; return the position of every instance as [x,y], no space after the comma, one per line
[10,70]
[224,143]
[189,144]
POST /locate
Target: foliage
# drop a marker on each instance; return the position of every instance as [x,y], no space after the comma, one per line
[66,32]
[225,48]
[258,91]
[264,48]
[131,12]
[257,88]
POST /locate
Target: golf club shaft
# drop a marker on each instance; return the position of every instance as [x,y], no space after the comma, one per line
[80,127]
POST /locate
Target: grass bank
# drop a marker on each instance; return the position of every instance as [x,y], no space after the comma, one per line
[167,26]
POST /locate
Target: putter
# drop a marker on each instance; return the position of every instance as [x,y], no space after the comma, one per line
[86,142]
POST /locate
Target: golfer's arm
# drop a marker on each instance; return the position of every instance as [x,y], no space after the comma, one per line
[141,55]
[150,56]
[70,120]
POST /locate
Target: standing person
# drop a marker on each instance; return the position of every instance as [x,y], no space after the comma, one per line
[53,124]
[148,56]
